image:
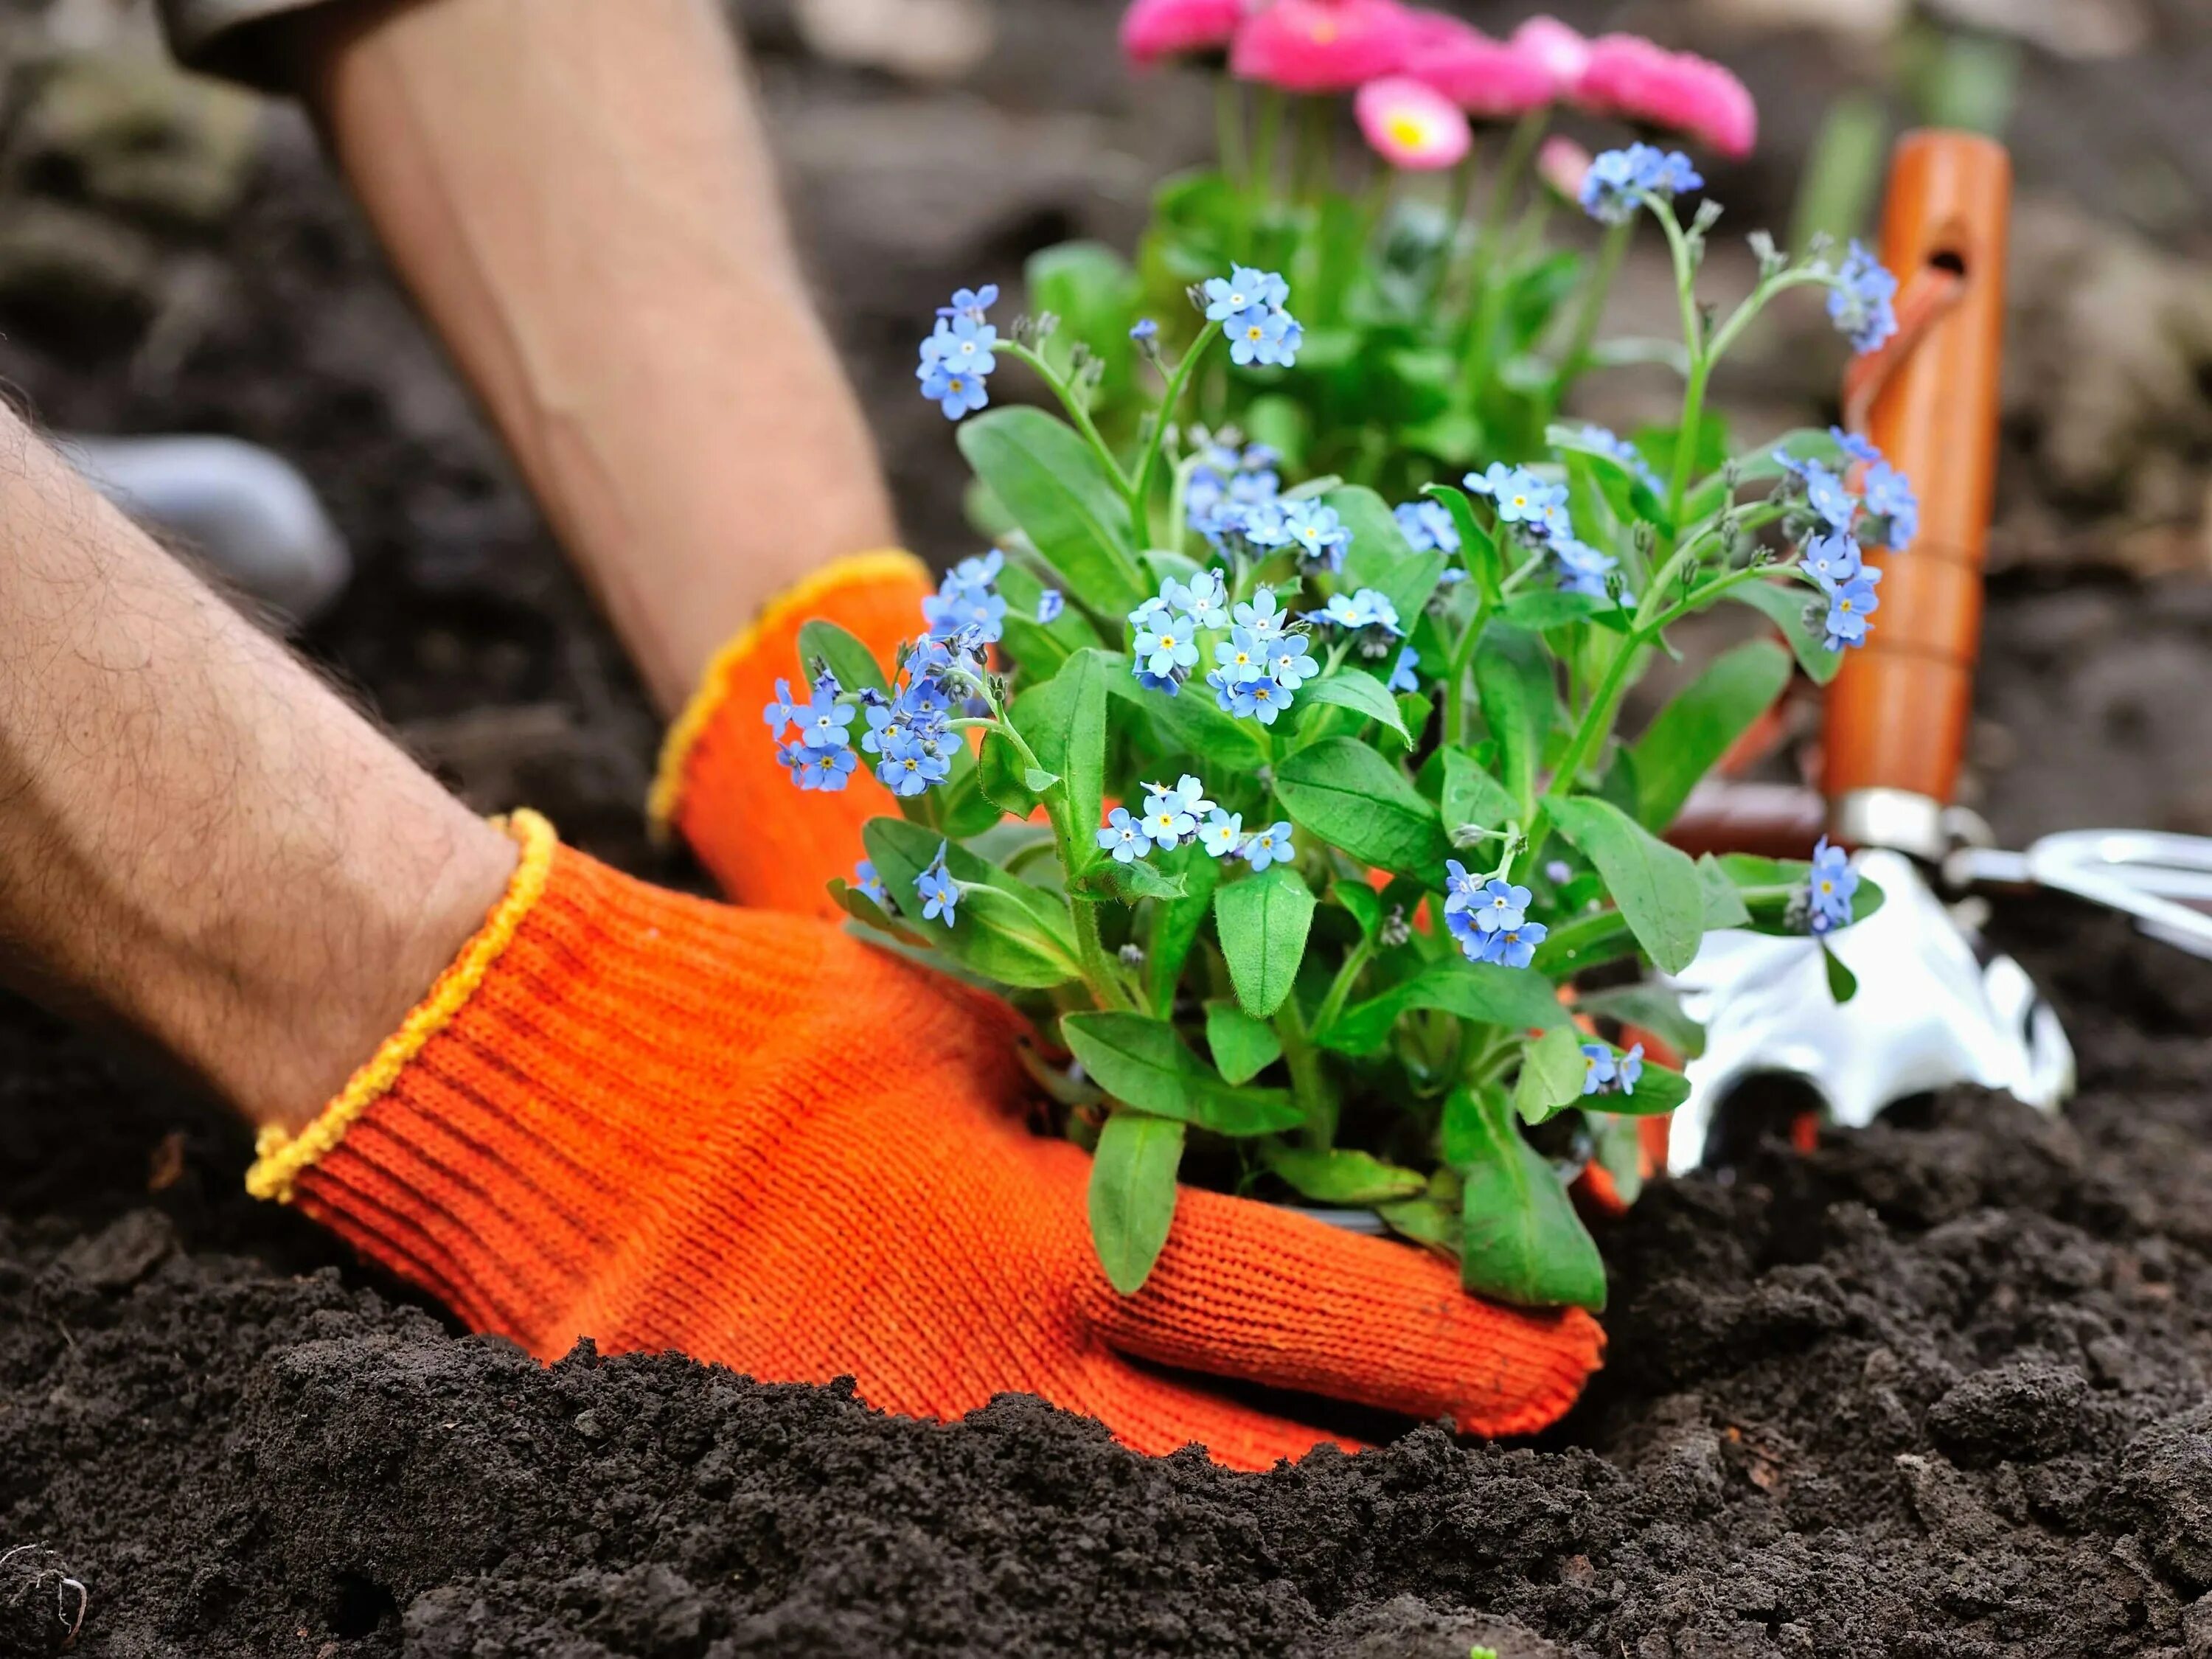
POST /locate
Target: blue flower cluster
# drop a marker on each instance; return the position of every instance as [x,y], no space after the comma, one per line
[1619,181]
[1251,307]
[1539,511]
[1887,513]
[820,756]
[1239,496]
[967,602]
[1174,816]
[1604,1071]
[1260,665]
[1609,443]
[1490,919]
[958,356]
[1861,302]
[1426,525]
[1830,889]
[1368,617]
[938,892]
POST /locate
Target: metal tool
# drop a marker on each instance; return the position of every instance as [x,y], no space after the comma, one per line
[1934,1006]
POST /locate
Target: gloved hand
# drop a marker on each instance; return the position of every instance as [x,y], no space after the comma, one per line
[664,1123]
[769,845]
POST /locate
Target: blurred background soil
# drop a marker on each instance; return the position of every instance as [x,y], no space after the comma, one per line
[174,257]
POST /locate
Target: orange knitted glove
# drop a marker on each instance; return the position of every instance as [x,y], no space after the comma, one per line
[662,1123]
[720,783]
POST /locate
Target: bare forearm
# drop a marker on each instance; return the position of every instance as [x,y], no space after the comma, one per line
[579,194]
[197,838]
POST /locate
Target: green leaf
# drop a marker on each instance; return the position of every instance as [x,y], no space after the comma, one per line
[1657,886]
[1191,723]
[1346,793]
[1015,933]
[1652,1008]
[1263,922]
[1513,677]
[999,776]
[1350,688]
[1364,903]
[1659,1090]
[1060,494]
[1688,736]
[1843,983]
[1483,991]
[1064,722]
[1138,880]
[1426,1221]
[1379,556]
[1342,1177]
[1522,1241]
[1133,1196]
[1472,796]
[1788,604]
[1178,922]
[1095,293]
[963,810]
[1478,547]
[1551,1073]
[1550,607]
[1141,1062]
[1724,905]
[1243,1047]
[852,662]
[1619,1153]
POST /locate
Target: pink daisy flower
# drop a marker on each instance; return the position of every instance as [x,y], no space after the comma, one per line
[1631,77]
[1412,124]
[1153,30]
[1320,46]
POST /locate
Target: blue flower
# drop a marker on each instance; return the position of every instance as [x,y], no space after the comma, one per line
[1631,1068]
[825,769]
[1263,615]
[1832,561]
[823,722]
[939,892]
[1205,598]
[1257,699]
[1191,792]
[1890,502]
[1168,643]
[864,880]
[1500,905]
[1849,607]
[966,601]
[966,346]
[781,711]
[1599,1068]
[1167,685]
[1260,336]
[971,302]
[1426,525]
[1829,887]
[1582,568]
[1243,289]
[1855,447]
[1165,822]
[911,761]
[1463,892]
[1520,496]
[956,394]
[1124,837]
[1050,604]
[1243,656]
[1828,497]
[1143,329]
[1290,663]
[1221,834]
[1318,534]
[1402,675]
[1619,180]
[1514,946]
[1271,846]
[1860,303]
[1363,609]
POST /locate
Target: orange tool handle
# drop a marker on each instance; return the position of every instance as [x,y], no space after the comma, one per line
[1897,712]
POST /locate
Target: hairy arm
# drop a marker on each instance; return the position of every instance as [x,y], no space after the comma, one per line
[580,196]
[197,838]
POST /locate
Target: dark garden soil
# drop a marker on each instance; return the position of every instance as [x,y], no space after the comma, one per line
[1938,1391]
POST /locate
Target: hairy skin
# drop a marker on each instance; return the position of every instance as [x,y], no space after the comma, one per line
[580,196]
[198,839]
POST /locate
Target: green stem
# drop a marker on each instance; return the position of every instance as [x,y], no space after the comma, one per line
[1140,493]
[1595,292]
[1308,1086]
[1339,990]
[1268,138]
[1456,681]
[1076,412]
[1229,130]
[1461,190]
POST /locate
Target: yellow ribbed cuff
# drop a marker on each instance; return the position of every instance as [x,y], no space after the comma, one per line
[854,569]
[281,1158]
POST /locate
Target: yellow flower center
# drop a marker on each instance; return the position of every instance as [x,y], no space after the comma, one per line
[1408,129]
